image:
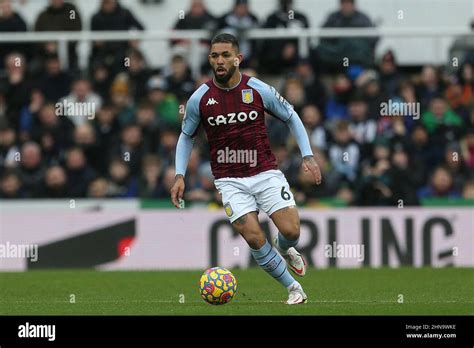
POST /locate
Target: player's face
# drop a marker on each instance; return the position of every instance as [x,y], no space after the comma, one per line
[224,60]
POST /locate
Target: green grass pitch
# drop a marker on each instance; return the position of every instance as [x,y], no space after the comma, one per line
[425,291]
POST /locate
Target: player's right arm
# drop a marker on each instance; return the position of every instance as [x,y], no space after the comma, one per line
[184,147]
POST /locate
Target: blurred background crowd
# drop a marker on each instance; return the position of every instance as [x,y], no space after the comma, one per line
[127,147]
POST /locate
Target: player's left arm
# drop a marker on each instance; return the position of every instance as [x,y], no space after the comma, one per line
[275,104]
[299,132]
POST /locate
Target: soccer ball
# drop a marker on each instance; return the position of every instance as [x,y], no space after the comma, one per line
[218,286]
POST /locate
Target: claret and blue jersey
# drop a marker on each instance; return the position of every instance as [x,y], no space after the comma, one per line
[233,119]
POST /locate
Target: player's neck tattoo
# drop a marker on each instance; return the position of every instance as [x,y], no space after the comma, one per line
[227,88]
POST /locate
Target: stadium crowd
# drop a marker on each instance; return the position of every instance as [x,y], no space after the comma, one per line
[125,146]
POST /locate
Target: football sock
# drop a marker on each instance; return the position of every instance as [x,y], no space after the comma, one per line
[285,244]
[293,286]
[272,262]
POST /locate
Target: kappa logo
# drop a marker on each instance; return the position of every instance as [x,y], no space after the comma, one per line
[211,101]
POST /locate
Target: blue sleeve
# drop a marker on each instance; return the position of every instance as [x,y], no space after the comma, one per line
[192,117]
[279,107]
[183,153]
[273,102]
[300,134]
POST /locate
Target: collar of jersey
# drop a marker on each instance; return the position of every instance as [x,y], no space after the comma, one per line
[227,89]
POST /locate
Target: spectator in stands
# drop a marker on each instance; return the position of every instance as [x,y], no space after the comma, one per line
[466,80]
[393,129]
[360,51]
[55,184]
[29,114]
[236,22]
[440,117]
[17,87]
[454,97]
[10,186]
[468,190]
[406,94]
[305,192]
[463,48]
[363,130]
[440,186]
[59,127]
[107,129]
[207,183]
[81,92]
[197,17]
[167,146]
[8,147]
[288,164]
[346,194]
[390,77]
[3,103]
[343,152]
[149,183]
[166,104]
[121,183]
[295,93]
[194,189]
[336,106]
[112,16]
[467,149]
[313,122]
[281,56]
[101,79]
[429,87]
[98,188]
[59,16]
[368,84]
[85,138]
[10,21]
[454,163]
[138,75]
[55,82]
[148,122]
[79,174]
[179,80]
[423,150]
[376,185]
[314,89]
[130,148]
[406,176]
[31,170]
[121,99]
[167,182]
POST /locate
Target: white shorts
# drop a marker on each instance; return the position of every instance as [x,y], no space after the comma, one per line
[268,191]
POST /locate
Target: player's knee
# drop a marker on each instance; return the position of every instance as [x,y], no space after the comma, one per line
[292,230]
[255,240]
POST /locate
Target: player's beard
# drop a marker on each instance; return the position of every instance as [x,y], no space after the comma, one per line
[225,78]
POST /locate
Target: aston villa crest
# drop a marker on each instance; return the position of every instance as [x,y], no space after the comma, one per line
[228,210]
[247,96]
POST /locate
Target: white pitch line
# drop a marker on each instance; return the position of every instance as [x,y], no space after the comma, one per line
[253,302]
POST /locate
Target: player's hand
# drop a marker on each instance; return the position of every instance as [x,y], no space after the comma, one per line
[309,164]
[177,190]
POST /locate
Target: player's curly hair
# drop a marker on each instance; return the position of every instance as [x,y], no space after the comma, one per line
[226,38]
